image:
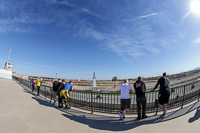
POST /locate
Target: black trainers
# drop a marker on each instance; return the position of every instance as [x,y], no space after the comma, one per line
[67,107]
[145,116]
[162,116]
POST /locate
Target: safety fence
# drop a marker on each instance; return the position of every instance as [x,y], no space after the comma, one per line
[109,102]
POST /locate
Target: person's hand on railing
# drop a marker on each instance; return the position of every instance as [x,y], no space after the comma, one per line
[152,90]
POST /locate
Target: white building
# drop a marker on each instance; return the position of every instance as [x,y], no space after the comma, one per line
[8,66]
[5,74]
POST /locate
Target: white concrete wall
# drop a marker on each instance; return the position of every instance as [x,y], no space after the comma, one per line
[5,74]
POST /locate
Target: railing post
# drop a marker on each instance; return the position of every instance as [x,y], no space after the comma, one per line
[45,92]
[51,93]
[199,93]
[92,103]
[156,101]
[183,97]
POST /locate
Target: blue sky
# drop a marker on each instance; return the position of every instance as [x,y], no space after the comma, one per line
[123,38]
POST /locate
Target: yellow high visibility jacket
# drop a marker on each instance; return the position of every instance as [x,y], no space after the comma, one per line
[38,82]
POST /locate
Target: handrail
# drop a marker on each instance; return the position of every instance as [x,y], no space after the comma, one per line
[109,102]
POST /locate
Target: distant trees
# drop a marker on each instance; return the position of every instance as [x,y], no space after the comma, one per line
[114,79]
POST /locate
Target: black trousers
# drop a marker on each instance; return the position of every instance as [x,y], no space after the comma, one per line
[32,88]
[60,103]
[141,104]
[38,90]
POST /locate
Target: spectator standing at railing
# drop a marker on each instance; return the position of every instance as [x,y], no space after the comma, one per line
[38,86]
[60,88]
[21,79]
[55,89]
[140,89]
[125,89]
[164,93]
[33,85]
[65,94]
[69,86]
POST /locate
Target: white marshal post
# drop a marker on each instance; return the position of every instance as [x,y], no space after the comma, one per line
[94,81]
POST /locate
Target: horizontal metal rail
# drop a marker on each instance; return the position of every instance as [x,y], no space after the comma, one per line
[106,102]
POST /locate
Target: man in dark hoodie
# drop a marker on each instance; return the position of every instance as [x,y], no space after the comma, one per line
[164,92]
[140,89]
[60,87]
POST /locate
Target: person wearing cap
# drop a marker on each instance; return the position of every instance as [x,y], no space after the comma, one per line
[61,86]
[140,89]
[164,93]
[125,89]
[38,86]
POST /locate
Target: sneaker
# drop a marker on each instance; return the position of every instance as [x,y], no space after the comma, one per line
[138,118]
[121,116]
[124,117]
[162,116]
[145,116]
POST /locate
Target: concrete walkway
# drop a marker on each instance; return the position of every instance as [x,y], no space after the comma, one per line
[21,111]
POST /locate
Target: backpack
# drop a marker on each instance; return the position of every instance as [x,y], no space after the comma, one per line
[55,86]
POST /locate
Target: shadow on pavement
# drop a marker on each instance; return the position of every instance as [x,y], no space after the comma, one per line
[196,116]
[109,123]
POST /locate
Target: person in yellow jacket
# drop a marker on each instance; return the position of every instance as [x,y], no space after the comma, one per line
[65,98]
[38,86]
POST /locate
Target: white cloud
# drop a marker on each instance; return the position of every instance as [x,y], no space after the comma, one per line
[81,9]
[38,65]
[127,42]
[197,41]
[131,41]
[148,15]
[194,44]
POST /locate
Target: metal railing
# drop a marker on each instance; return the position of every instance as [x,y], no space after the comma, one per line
[110,102]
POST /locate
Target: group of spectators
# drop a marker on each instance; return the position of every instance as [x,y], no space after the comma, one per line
[38,82]
[60,91]
[140,89]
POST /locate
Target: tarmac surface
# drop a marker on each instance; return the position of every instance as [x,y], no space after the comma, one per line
[22,111]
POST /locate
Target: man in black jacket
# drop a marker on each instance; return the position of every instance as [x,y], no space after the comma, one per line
[60,87]
[55,88]
[140,89]
[164,93]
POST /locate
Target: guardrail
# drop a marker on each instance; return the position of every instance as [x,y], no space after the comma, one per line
[110,102]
